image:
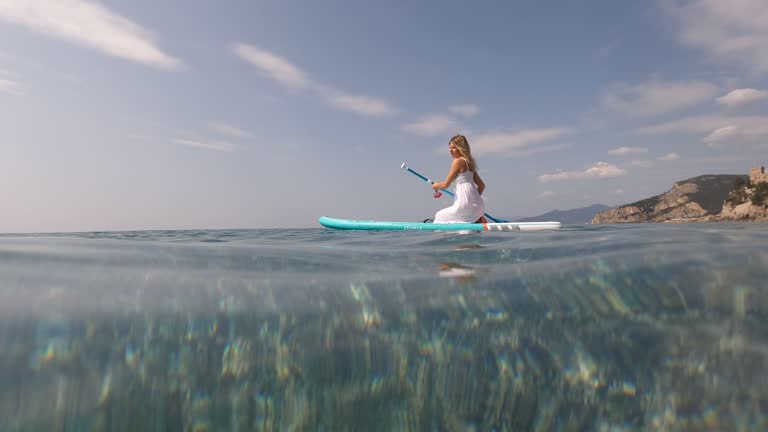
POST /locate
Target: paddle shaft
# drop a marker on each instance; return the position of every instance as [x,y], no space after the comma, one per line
[445,190]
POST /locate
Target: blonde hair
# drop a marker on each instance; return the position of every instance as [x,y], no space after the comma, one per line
[462,145]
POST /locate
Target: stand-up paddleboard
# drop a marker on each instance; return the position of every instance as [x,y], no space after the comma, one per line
[345,224]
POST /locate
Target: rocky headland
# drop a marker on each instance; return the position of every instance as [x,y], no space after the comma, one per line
[706,198]
[743,212]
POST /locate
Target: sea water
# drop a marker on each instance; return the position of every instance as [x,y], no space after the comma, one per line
[606,328]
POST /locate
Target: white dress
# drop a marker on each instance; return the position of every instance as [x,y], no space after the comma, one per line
[468,206]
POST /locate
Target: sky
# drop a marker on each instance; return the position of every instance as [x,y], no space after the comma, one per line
[195,114]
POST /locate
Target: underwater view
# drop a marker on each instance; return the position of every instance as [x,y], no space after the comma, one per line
[606,328]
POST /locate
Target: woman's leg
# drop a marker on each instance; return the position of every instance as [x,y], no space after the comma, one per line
[444,215]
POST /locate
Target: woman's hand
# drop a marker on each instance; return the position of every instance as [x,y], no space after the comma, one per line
[437,186]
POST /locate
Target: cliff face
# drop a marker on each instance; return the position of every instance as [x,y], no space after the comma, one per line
[697,198]
[744,212]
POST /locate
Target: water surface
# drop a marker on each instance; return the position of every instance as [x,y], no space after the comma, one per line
[616,328]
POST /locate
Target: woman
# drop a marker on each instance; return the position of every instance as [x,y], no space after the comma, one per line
[468,206]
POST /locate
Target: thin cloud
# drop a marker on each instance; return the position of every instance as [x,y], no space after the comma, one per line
[433,125]
[743,98]
[720,160]
[538,149]
[724,135]
[466,110]
[717,129]
[627,150]
[546,195]
[670,157]
[656,97]
[274,66]
[90,24]
[291,76]
[229,130]
[598,171]
[643,163]
[360,104]
[10,87]
[693,124]
[506,142]
[221,146]
[732,32]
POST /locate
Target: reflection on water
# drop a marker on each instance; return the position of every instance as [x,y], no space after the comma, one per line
[469,247]
[458,271]
[614,330]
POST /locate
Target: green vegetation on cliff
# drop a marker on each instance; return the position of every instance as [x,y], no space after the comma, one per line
[712,190]
[760,195]
[744,191]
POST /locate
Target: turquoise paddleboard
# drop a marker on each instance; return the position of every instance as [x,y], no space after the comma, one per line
[346,224]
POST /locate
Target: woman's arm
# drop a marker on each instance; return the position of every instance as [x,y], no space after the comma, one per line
[479,182]
[452,173]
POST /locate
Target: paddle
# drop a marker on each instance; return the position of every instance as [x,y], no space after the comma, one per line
[449,193]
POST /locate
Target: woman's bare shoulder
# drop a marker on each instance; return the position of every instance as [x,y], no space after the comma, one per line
[460,163]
